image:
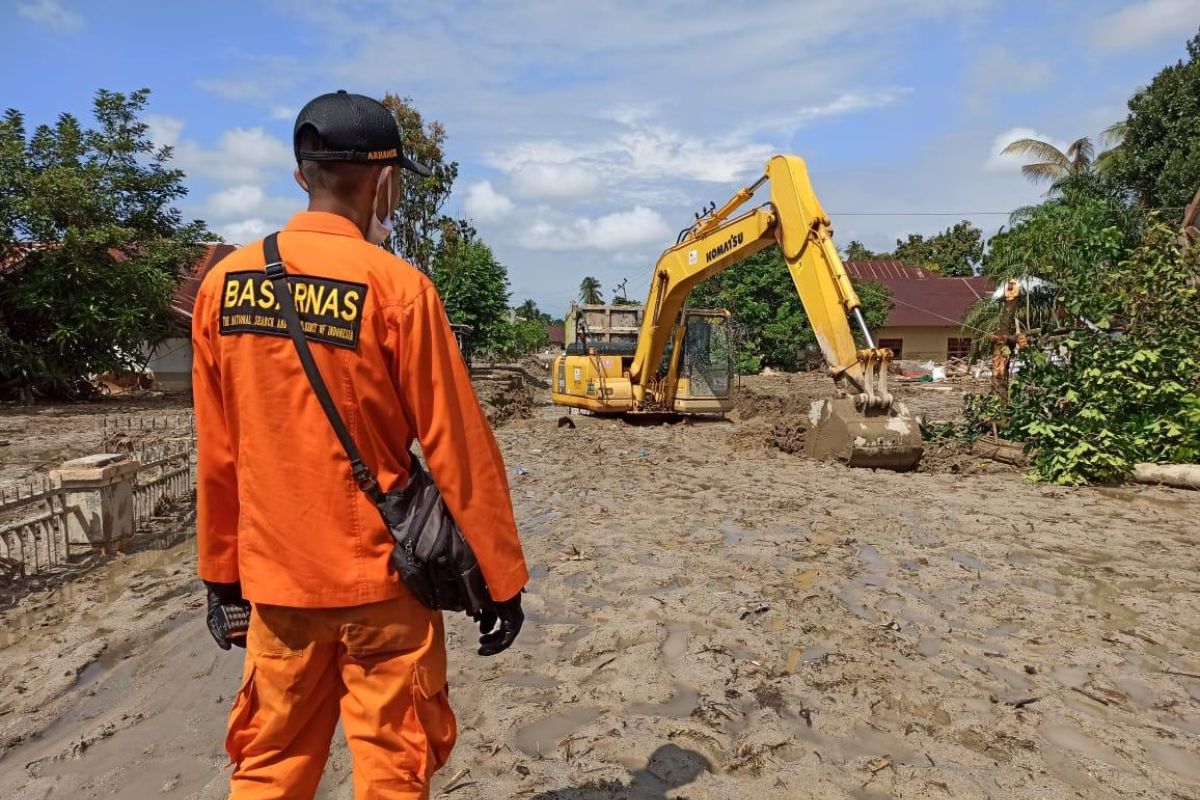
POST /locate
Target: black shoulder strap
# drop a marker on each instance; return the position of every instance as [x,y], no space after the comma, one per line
[277,274]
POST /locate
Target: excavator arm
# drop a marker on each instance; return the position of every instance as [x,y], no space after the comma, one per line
[863,426]
[795,221]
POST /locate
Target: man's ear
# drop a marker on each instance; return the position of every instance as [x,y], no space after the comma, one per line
[384,199]
[300,179]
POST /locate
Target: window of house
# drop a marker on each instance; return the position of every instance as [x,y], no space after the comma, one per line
[895,345]
[958,347]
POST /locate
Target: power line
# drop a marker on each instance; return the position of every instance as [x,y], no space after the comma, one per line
[954,213]
[920,213]
[939,316]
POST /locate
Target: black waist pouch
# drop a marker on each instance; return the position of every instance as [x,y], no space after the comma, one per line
[431,556]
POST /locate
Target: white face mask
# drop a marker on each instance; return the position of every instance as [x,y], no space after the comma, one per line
[378,230]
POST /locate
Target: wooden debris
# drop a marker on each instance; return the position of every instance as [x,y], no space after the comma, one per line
[457,782]
[1002,450]
[1025,701]
[1091,695]
[1182,476]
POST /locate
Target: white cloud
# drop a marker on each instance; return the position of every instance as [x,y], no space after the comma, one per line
[787,122]
[643,151]
[245,230]
[484,204]
[242,163]
[51,14]
[997,162]
[247,200]
[1145,23]
[164,130]
[621,230]
[548,180]
[236,200]
[241,155]
[641,157]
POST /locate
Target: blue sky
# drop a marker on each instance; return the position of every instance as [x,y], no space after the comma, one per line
[587,133]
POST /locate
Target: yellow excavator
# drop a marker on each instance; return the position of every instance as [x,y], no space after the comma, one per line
[680,363]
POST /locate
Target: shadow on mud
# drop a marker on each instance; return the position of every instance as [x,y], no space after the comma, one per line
[669,767]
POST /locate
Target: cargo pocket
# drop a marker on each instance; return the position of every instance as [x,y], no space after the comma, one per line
[242,726]
[431,702]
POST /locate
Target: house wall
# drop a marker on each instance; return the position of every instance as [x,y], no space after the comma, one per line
[921,343]
[171,364]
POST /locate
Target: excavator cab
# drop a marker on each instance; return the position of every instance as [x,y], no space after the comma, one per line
[696,368]
[705,377]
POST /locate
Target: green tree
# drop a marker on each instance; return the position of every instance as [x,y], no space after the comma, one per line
[474,288]
[1126,387]
[521,337]
[1112,378]
[418,221]
[762,298]
[857,251]
[954,252]
[527,310]
[530,312]
[90,243]
[589,291]
[1160,150]
[1087,222]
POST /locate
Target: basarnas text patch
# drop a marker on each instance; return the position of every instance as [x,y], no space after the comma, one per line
[330,311]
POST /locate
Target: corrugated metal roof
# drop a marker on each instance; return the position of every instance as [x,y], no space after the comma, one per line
[882,270]
[919,297]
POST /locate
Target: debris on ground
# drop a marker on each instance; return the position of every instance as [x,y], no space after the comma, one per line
[716,619]
[505,395]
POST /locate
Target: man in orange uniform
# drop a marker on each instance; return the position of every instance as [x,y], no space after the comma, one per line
[282,524]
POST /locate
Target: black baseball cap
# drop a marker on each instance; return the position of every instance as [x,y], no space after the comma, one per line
[353,127]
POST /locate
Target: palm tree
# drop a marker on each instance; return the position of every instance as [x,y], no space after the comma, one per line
[1114,137]
[529,311]
[589,291]
[1051,164]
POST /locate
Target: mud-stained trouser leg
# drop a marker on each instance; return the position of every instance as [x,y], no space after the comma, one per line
[285,714]
[384,663]
[395,709]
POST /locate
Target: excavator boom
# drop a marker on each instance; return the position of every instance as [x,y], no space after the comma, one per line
[865,426]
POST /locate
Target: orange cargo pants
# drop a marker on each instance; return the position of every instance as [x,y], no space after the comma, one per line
[380,667]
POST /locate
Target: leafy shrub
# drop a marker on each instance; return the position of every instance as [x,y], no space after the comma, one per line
[1126,387]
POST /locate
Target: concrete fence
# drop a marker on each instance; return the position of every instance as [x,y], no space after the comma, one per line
[90,506]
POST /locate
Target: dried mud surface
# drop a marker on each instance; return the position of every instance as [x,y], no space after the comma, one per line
[710,617]
[35,439]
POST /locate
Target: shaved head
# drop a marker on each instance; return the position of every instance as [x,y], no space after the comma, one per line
[342,179]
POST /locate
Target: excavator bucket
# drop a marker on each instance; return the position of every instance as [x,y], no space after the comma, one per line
[881,438]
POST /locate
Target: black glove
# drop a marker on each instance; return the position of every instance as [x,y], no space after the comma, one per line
[510,616]
[228,614]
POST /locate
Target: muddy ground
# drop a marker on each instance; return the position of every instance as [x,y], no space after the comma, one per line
[710,617]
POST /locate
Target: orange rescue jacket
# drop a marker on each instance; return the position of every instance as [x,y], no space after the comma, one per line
[277,506]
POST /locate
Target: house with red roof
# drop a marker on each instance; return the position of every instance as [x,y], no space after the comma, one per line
[925,321]
[171,361]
